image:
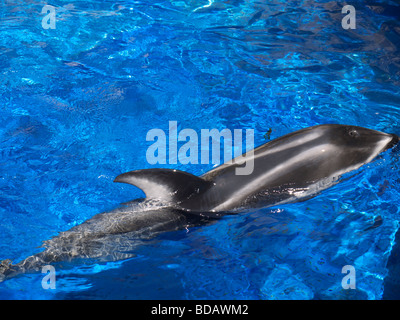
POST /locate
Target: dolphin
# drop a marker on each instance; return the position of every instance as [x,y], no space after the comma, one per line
[291,168]
[287,169]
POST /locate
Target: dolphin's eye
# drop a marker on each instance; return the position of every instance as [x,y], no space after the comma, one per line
[353,133]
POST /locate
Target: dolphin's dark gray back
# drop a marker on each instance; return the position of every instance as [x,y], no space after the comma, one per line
[289,168]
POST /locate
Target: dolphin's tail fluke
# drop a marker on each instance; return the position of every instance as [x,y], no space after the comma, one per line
[6,268]
[32,263]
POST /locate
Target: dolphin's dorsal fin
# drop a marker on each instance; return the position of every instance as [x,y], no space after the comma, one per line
[165,184]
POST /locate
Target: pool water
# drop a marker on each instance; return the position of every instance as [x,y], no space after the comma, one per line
[77,102]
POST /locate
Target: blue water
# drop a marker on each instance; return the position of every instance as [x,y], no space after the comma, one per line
[77,102]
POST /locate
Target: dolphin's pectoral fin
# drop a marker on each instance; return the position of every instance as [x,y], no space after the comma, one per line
[165,184]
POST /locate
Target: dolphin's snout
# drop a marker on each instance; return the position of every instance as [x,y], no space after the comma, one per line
[395,140]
